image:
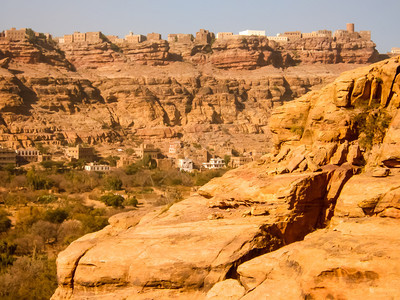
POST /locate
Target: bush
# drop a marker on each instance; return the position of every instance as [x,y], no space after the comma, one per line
[227,159]
[7,251]
[131,201]
[46,230]
[56,166]
[112,200]
[5,222]
[112,183]
[92,220]
[46,199]
[57,215]
[371,127]
[69,231]
[29,278]
[205,176]
[37,182]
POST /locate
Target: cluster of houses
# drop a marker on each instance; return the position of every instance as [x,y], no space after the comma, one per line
[203,36]
[176,157]
[14,34]
[295,35]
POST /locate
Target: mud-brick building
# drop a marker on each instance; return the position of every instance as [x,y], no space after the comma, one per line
[7,157]
[81,153]
[15,34]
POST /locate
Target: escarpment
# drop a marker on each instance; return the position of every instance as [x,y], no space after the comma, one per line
[203,92]
[315,218]
[98,94]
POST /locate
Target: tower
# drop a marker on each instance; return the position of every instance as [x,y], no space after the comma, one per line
[350,27]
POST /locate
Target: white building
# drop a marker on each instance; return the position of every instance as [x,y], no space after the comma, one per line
[185,164]
[252,32]
[214,163]
[92,167]
[278,38]
[395,50]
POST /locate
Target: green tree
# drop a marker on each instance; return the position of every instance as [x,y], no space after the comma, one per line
[131,201]
[36,181]
[57,215]
[113,183]
[112,200]
[227,159]
[7,251]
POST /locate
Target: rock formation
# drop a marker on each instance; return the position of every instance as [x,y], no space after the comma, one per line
[315,218]
[116,92]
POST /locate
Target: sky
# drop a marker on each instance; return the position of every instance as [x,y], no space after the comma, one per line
[118,17]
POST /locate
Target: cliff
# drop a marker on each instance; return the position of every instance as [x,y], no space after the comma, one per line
[316,218]
[116,92]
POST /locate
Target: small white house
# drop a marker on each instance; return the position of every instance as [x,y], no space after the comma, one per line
[252,32]
[185,164]
[214,163]
[92,167]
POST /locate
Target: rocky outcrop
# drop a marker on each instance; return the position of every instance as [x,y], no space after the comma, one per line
[33,52]
[241,236]
[331,51]
[242,53]
[91,55]
[153,53]
[118,102]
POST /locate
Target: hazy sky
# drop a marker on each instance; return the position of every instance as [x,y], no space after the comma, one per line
[178,16]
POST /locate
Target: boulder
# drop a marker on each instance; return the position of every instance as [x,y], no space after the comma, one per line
[229,289]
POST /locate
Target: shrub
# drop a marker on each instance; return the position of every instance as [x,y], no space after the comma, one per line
[46,230]
[132,169]
[5,222]
[92,220]
[371,127]
[296,129]
[57,215]
[205,176]
[197,146]
[27,217]
[112,183]
[112,200]
[45,199]
[36,181]
[227,159]
[69,231]
[131,201]
[7,251]
[52,165]
[29,278]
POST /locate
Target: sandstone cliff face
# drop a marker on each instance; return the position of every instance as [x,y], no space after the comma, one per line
[254,52]
[91,55]
[331,51]
[105,90]
[111,97]
[241,236]
[33,52]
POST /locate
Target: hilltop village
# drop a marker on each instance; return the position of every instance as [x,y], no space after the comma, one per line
[201,36]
